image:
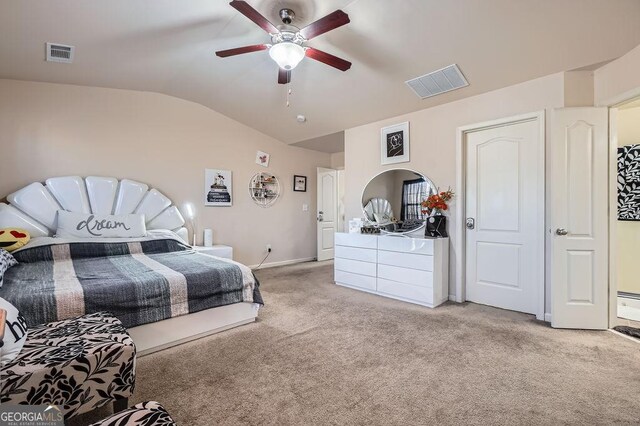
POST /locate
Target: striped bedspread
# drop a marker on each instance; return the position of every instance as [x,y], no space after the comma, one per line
[139,282]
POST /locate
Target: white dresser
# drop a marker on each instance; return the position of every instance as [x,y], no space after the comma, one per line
[414,270]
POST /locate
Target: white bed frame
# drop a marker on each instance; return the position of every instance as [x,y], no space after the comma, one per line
[160,335]
[35,208]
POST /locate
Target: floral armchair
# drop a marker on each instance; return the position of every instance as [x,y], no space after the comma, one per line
[77,364]
[149,413]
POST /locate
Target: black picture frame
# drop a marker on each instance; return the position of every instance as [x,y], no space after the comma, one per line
[299,183]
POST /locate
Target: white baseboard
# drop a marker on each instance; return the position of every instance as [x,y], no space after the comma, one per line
[452,297]
[283,263]
[547,317]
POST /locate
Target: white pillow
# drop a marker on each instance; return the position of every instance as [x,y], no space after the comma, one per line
[6,262]
[15,332]
[100,225]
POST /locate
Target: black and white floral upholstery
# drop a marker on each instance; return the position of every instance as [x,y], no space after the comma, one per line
[144,414]
[76,364]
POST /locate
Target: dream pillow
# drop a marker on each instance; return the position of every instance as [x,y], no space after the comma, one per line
[15,332]
[6,262]
[82,225]
[13,238]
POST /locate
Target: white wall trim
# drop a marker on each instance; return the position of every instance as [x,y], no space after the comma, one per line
[620,99]
[283,263]
[460,246]
[613,217]
[547,317]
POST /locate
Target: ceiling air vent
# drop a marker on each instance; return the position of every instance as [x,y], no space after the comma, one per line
[60,53]
[437,82]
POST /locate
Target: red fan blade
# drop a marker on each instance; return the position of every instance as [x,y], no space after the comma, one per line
[241,50]
[248,11]
[328,59]
[284,76]
[322,25]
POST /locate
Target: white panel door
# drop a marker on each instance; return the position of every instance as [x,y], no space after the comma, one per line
[505,210]
[327,212]
[579,204]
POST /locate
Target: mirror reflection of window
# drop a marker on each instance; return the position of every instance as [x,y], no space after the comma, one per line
[413,192]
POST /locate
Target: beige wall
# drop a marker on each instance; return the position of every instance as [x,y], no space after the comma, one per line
[337,160]
[433,139]
[619,80]
[578,88]
[628,233]
[52,130]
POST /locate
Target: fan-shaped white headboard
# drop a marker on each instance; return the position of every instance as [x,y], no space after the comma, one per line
[34,207]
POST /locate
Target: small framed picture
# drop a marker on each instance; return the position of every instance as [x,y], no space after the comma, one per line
[299,183]
[262,158]
[394,144]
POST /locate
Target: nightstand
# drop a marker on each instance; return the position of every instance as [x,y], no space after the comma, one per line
[216,250]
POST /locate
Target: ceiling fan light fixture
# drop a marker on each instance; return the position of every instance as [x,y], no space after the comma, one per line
[287,54]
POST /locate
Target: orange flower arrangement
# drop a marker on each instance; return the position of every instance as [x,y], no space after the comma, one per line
[437,202]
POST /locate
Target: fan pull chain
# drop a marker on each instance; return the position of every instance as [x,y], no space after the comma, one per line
[288,95]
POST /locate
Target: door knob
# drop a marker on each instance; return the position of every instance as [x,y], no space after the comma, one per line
[320,218]
[471,223]
[561,232]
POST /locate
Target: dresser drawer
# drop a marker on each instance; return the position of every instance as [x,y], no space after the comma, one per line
[406,275]
[406,245]
[406,260]
[355,266]
[356,240]
[355,253]
[405,291]
[362,281]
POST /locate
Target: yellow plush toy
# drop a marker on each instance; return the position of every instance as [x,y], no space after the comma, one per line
[13,238]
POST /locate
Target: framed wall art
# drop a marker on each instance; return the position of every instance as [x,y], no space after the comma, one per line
[394,144]
[262,158]
[299,183]
[218,188]
[629,182]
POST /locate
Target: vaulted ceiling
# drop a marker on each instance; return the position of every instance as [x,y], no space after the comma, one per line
[168,46]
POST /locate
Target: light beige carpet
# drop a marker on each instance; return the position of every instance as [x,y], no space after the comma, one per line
[323,354]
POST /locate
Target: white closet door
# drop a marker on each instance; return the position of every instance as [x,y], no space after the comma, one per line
[505,233]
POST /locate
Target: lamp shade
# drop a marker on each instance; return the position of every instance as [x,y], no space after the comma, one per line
[188,207]
[287,54]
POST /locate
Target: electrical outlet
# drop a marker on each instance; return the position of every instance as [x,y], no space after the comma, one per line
[305,207]
[269,248]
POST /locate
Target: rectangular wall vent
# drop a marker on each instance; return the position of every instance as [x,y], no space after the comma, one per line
[60,53]
[437,82]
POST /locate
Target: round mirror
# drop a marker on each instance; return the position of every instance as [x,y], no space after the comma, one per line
[391,200]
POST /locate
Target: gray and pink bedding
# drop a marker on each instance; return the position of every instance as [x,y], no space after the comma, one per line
[139,281]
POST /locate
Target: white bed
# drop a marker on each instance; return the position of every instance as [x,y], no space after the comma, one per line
[35,207]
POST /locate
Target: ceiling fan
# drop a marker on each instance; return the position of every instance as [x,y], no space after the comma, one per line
[288,42]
